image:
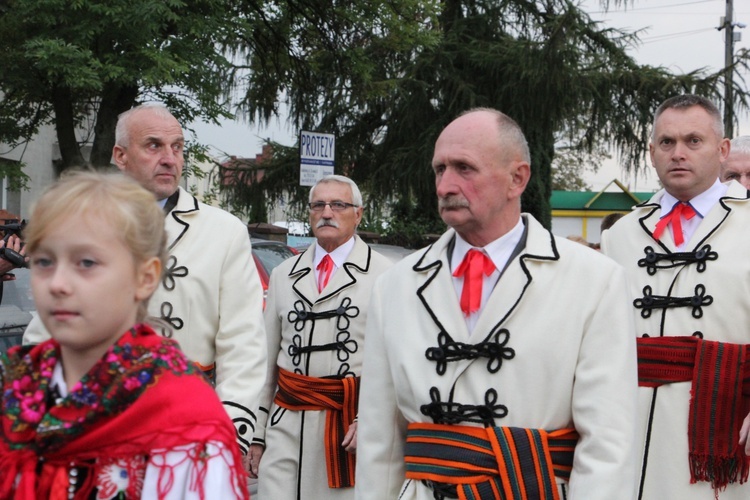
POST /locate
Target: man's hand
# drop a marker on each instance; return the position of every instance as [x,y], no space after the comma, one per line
[350,440]
[254,456]
[744,431]
[15,244]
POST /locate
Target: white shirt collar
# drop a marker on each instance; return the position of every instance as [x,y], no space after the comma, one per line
[499,250]
[703,203]
[58,380]
[339,254]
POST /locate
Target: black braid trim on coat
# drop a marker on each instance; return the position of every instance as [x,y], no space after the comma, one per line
[652,259]
[446,412]
[493,349]
[649,301]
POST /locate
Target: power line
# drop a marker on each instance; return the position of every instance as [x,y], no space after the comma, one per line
[625,10]
[669,36]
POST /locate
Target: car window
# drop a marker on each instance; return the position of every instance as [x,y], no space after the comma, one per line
[16,309]
[271,256]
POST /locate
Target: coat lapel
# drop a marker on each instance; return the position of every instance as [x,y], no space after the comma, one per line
[435,290]
[305,285]
[177,222]
[719,213]
[357,262]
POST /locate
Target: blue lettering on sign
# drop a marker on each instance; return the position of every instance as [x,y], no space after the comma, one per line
[317,146]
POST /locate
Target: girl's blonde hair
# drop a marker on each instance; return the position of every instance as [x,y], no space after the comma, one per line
[117,199]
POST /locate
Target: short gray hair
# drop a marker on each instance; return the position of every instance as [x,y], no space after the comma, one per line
[686,101]
[741,145]
[356,194]
[510,131]
[122,130]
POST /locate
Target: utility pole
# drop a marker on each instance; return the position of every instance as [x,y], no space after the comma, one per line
[729,67]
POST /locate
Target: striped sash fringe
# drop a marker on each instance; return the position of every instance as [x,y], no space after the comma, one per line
[720,376]
[492,463]
[338,397]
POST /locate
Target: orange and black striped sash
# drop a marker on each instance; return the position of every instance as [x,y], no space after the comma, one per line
[499,463]
[338,397]
[720,376]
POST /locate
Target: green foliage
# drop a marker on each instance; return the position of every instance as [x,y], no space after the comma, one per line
[410,225]
[387,91]
[571,165]
[12,171]
[82,63]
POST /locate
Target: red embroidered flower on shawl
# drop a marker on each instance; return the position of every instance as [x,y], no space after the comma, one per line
[117,477]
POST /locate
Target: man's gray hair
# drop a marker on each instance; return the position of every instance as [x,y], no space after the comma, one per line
[122,131]
[356,194]
[510,131]
[686,101]
[741,145]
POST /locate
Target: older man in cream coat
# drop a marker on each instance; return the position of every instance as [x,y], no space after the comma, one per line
[520,386]
[210,295]
[315,322]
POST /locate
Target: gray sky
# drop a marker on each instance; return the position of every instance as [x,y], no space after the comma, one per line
[680,35]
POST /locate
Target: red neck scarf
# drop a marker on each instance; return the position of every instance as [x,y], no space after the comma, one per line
[128,405]
[674,218]
[325,269]
[473,268]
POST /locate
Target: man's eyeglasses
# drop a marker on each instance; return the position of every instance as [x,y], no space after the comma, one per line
[336,206]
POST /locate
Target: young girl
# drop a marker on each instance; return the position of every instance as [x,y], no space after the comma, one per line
[106,408]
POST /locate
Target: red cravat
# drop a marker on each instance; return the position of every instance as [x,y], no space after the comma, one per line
[673,218]
[473,268]
[325,268]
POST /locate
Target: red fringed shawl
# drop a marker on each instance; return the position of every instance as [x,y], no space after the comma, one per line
[141,401]
[720,374]
[338,397]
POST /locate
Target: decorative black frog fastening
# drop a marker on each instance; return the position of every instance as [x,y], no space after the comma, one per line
[494,348]
[173,271]
[176,323]
[447,412]
[652,260]
[697,301]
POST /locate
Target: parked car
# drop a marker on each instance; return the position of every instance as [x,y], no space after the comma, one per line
[16,309]
[393,252]
[267,255]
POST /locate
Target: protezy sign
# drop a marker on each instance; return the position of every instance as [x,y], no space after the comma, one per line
[317,153]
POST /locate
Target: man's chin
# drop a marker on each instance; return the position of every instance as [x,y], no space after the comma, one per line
[453,216]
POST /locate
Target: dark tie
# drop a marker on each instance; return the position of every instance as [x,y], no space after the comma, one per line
[325,268]
[673,218]
[473,268]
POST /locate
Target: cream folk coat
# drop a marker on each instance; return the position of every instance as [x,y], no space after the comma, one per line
[211,296]
[574,364]
[293,464]
[663,412]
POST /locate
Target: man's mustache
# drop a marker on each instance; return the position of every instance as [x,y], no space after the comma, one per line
[327,222]
[453,202]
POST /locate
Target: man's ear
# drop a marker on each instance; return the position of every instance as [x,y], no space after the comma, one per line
[520,174]
[119,156]
[651,153]
[148,278]
[725,147]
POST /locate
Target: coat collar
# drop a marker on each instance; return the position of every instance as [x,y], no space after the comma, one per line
[437,294]
[649,214]
[177,222]
[305,287]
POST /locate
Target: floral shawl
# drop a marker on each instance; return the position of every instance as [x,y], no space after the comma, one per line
[129,407]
